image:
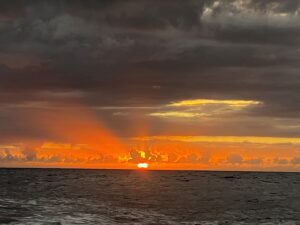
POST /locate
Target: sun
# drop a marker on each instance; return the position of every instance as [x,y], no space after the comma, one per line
[142,165]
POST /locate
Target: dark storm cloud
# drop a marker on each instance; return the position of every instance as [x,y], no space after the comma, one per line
[269,22]
[113,53]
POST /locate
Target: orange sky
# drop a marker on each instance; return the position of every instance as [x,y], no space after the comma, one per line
[86,142]
[179,86]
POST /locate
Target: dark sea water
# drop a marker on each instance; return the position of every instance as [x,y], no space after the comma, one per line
[55,196]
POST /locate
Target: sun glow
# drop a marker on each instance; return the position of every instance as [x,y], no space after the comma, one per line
[142,165]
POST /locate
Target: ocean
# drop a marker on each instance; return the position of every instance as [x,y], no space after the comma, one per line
[137,197]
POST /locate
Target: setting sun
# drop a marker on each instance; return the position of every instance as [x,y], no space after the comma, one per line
[142,165]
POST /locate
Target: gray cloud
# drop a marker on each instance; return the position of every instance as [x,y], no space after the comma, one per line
[193,158]
[281,161]
[295,161]
[237,159]
[112,53]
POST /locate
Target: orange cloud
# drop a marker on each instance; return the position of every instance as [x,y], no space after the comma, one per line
[159,155]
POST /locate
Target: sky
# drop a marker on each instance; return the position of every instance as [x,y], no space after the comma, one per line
[206,84]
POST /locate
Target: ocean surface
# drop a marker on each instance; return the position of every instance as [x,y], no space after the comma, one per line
[57,196]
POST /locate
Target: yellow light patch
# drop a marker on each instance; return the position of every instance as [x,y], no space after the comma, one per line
[175,114]
[143,154]
[199,102]
[224,139]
